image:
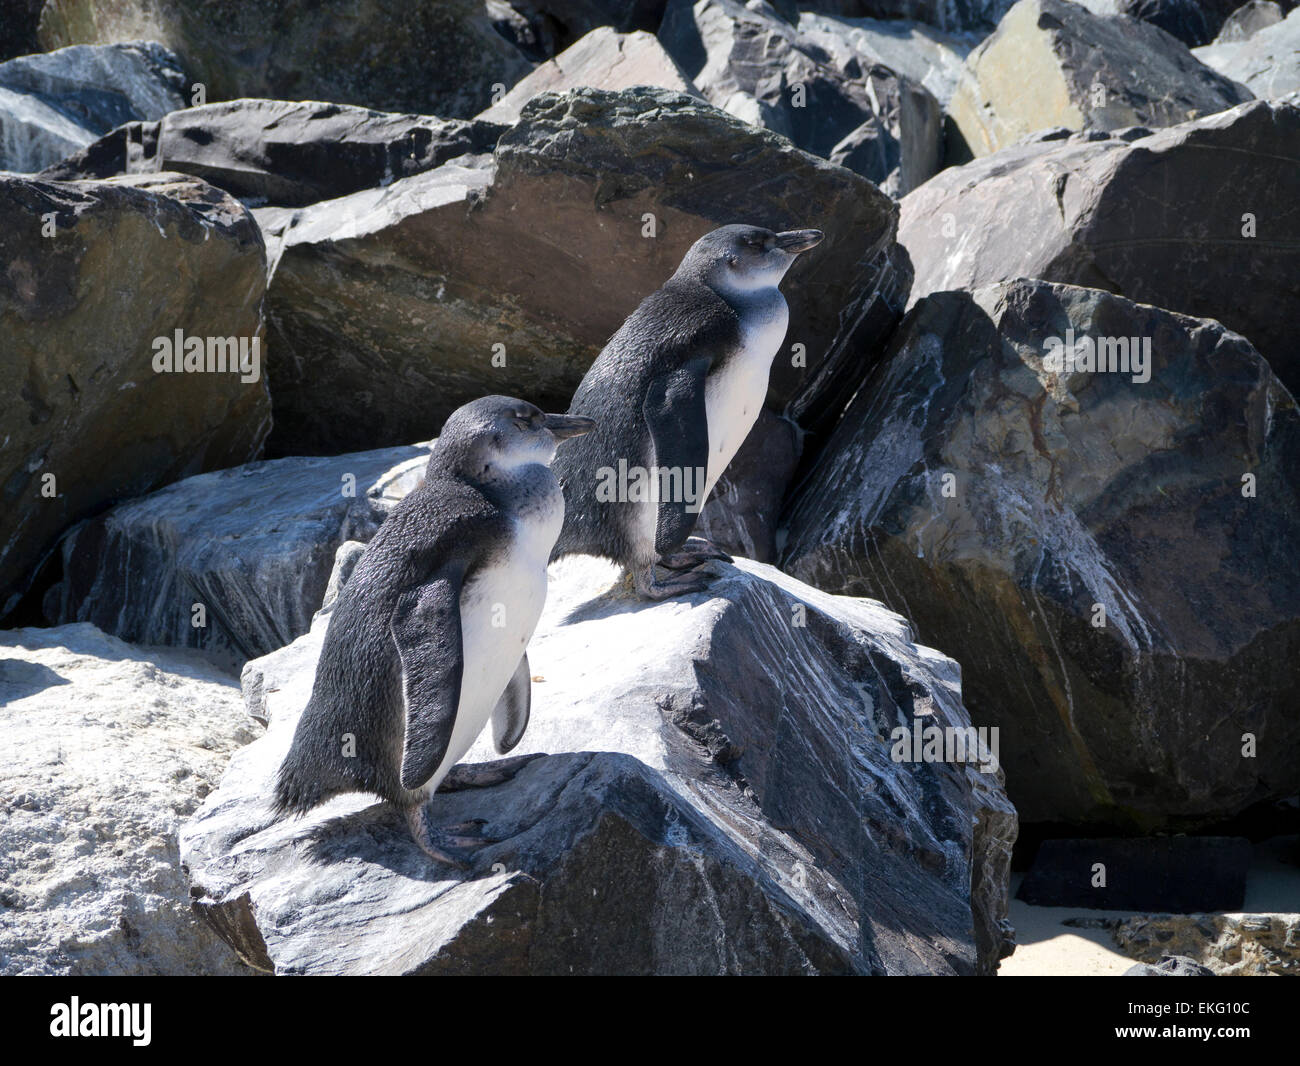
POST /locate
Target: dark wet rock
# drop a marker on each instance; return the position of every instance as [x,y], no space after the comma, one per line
[1224,245]
[1107,558]
[710,803]
[284,153]
[96,273]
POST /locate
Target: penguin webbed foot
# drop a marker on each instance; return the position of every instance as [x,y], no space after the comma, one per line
[694,552]
[653,587]
[446,843]
[484,774]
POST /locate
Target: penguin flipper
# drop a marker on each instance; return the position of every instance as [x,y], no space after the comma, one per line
[426,629]
[675,412]
[510,717]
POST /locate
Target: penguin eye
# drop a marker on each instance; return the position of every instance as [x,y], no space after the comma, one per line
[732,260]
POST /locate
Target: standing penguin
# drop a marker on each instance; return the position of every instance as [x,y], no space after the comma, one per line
[427,640]
[674,394]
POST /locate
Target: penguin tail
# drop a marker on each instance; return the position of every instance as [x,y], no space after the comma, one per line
[294,793]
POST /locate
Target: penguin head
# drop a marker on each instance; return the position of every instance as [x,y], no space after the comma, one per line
[735,260]
[492,437]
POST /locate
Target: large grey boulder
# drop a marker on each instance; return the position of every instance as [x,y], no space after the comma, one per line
[99,278]
[1267,62]
[55,103]
[1106,557]
[602,59]
[441,58]
[391,307]
[919,52]
[1224,242]
[718,797]
[108,748]
[1089,72]
[1248,20]
[754,64]
[286,153]
[253,546]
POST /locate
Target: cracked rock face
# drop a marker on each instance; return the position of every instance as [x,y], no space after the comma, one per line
[1089,72]
[1107,559]
[1105,212]
[718,797]
[107,749]
[391,307]
[84,403]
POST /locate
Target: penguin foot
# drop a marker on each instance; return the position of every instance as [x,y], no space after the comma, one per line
[695,551]
[445,843]
[484,774]
[652,587]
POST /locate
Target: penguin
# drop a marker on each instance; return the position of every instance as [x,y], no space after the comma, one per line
[427,640]
[674,394]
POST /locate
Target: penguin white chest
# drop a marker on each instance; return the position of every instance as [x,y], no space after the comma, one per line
[499,609]
[735,391]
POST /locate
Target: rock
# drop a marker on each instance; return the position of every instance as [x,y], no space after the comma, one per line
[603,59]
[1104,557]
[254,545]
[753,64]
[53,104]
[1267,63]
[1170,966]
[1091,73]
[1191,21]
[431,58]
[1180,873]
[18,22]
[1228,945]
[465,266]
[690,762]
[286,153]
[107,749]
[128,262]
[953,16]
[1084,216]
[742,513]
[1248,20]
[920,53]
[544,28]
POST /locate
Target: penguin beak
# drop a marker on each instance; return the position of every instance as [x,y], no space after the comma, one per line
[563,427]
[795,241]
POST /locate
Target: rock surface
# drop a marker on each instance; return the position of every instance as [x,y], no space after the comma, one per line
[438,58]
[463,268]
[1085,215]
[1170,966]
[719,798]
[1267,63]
[107,749]
[1248,20]
[1108,559]
[285,153]
[954,16]
[126,262]
[254,545]
[754,64]
[54,103]
[604,59]
[930,57]
[1089,72]
[1228,945]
